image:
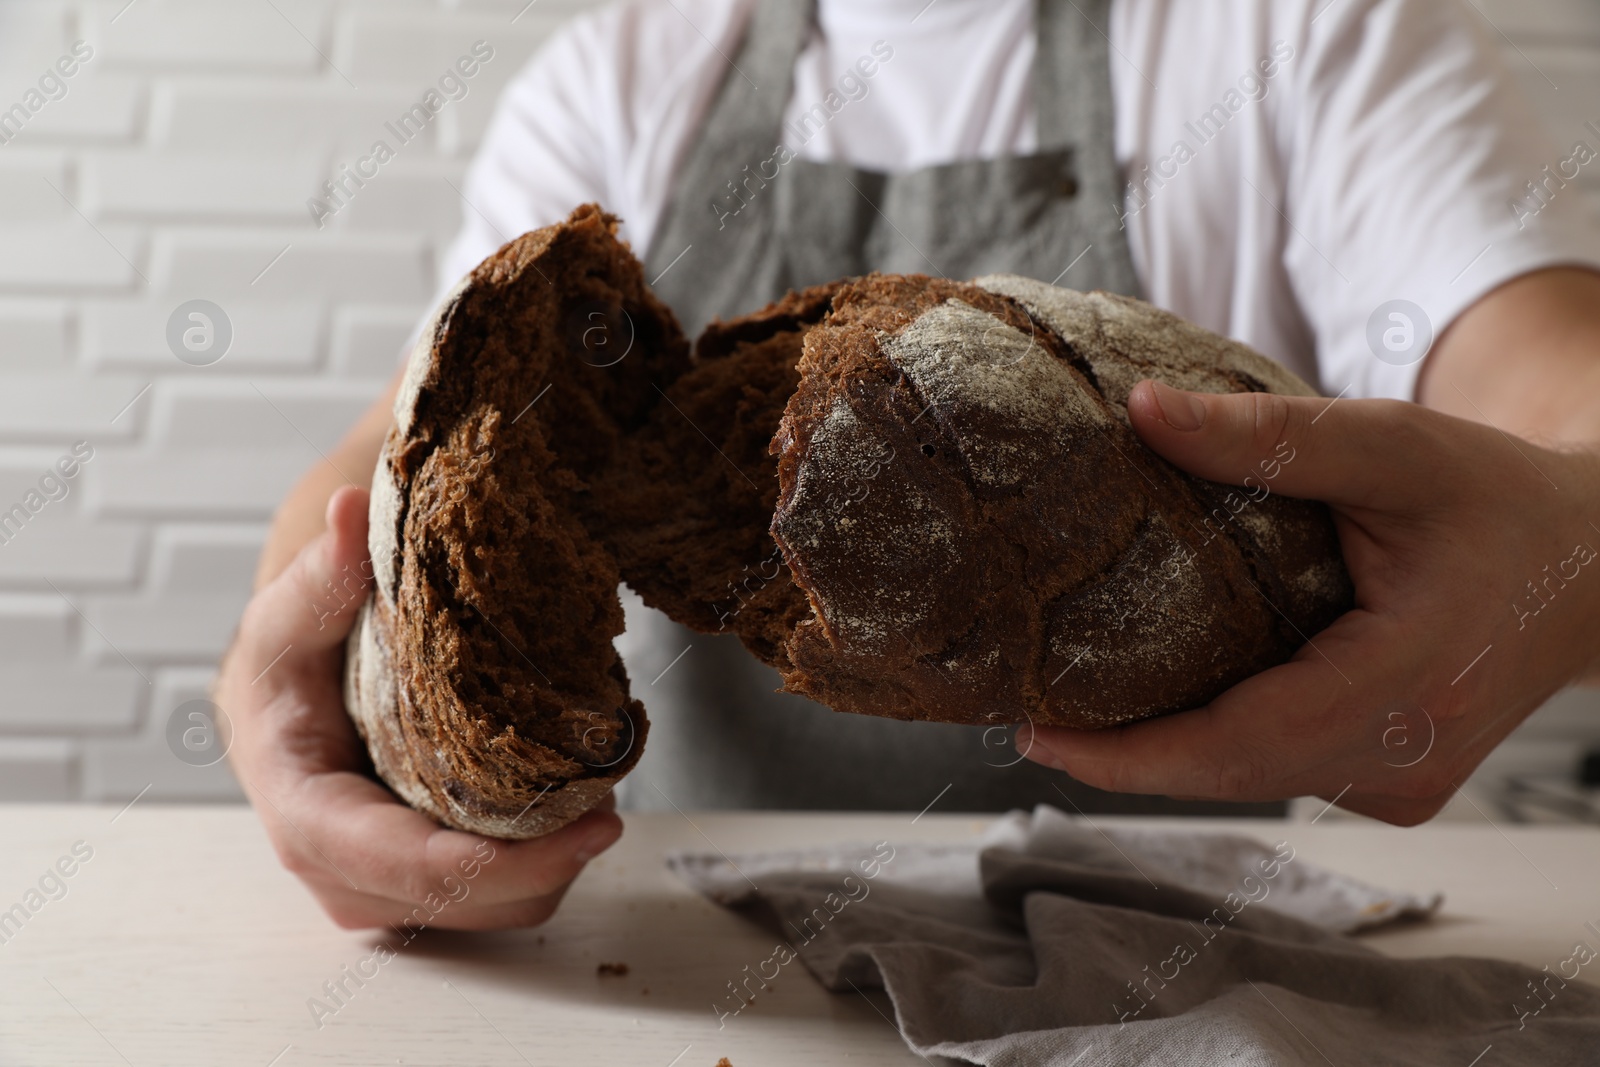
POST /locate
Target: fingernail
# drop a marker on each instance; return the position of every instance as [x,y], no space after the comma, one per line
[596,843]
[1180,410]
[1029,745]
[1043,756]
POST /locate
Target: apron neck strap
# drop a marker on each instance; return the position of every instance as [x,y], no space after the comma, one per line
[1070,70]
[748,110]
[1071,67]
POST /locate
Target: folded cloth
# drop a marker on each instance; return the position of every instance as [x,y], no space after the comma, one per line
[1058,943]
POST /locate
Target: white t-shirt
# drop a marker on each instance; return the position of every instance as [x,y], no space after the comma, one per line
[1335,154]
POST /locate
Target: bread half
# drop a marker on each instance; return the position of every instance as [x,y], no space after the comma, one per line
[482,673]
[981,536]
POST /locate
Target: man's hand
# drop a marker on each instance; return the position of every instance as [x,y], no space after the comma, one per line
[369,859]
[1477,591]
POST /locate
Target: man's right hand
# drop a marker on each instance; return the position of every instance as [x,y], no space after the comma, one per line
[369,859]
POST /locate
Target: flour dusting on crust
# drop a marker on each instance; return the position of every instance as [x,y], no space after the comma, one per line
[959,357]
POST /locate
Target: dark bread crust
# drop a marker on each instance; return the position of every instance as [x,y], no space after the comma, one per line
[1004,547]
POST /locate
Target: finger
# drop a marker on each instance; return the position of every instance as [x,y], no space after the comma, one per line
[346,829]
[531,912]
[1343,452]
[312,605]
[361,911]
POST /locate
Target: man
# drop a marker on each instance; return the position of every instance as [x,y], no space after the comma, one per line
[1338,184]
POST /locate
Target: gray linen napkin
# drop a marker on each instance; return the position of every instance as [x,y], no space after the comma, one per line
[1056,943]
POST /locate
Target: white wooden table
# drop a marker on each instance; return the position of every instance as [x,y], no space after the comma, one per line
[182,942]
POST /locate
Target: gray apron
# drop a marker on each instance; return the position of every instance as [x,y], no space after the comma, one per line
[746,223]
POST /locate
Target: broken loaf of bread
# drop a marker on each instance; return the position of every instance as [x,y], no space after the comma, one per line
[913,497]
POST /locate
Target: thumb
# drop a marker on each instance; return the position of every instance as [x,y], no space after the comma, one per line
[312,605]
[1344,452]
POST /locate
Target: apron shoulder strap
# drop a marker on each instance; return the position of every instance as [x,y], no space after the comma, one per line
[740,127]
[1071,71]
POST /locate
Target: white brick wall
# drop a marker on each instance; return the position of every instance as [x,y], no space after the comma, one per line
[177,167]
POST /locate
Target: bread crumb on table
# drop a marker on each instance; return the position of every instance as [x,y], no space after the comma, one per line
[611,970]
[724,1062]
